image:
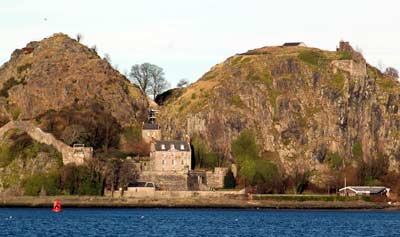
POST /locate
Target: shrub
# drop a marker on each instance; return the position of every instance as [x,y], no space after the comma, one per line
[345,55]
[5,156]
[49,182]
[94,126]
[373,170]
[236,101]
[252,169]
[334,160]
[203,156]
[245,146]
[81,180]
[24,67]
[7,86]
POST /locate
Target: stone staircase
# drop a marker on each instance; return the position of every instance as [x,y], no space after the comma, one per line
[69,154]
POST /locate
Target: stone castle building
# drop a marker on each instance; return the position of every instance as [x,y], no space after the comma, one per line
[170,156]
[169,165]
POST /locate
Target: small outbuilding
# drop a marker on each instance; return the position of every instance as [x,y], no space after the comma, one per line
[291,44]
[364,191]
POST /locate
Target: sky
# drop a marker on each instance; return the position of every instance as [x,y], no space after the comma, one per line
[186,38]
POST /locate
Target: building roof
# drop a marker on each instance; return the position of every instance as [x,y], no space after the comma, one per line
[294,44]
[167,145]
[150,126]
[365,189]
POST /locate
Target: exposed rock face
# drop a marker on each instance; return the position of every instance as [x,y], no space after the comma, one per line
[303,103]
[59,72]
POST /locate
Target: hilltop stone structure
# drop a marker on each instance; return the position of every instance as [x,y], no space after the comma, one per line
[356,66]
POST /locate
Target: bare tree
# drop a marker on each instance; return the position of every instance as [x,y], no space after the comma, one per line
[140,75]
[79,37]
[149,77]
[182,83]
[74,134]
[94,48]
[159,84]
[107,58]
[393,72]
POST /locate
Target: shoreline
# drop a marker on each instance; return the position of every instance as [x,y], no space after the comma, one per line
[220,203]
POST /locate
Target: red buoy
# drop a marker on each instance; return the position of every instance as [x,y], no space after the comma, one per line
[57,206]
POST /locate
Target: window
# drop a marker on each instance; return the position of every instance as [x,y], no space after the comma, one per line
[148,134]
[181,162]
[182,147]
[172,146]
[163,162]
[162,147]
[173,162]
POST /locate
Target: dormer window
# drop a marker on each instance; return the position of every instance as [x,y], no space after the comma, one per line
[172,147]
[162,146]
[182,147]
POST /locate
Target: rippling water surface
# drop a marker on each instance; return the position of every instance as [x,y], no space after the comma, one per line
[195,222]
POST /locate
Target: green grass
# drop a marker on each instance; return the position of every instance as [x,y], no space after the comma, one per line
[337,82]
[314,58]
[236,60]
[345,55]
[15,113]
[209,76]
[385,84]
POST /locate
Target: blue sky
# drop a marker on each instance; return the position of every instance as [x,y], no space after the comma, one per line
[187,38]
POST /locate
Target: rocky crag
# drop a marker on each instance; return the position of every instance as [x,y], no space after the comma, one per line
[59,72]
[308,108]
[54,93]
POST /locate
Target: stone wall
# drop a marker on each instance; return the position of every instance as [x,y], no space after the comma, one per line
[166,180]
[140,193]
[69,154]
[354,68]
[215,179]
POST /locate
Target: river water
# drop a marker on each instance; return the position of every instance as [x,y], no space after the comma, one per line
[195,222]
